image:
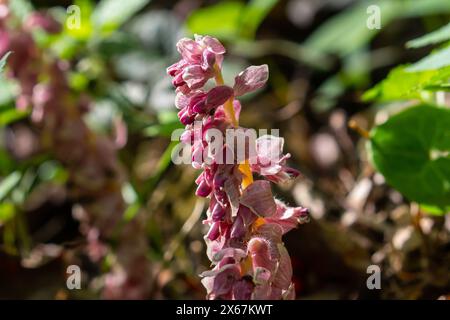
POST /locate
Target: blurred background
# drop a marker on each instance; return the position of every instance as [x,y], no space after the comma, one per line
[89,181]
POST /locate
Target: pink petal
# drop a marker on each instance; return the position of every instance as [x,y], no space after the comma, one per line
[194,76]
[218,96]
[235,253]
[258,249]
[287,217]
[269,149]
[258,197]
[283,274]
[214,45]
[189,49]
[224,281]
[242,289]
[252,78]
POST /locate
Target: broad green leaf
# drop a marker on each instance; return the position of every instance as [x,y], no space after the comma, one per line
[403,85]
[434,210]
[111,14]
[8,184]
[412,151]
[253,16]
[11,115]
[436,60]
[220,20]
[440,35]
[3,61]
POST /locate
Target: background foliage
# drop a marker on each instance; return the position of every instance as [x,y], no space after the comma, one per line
[377,194]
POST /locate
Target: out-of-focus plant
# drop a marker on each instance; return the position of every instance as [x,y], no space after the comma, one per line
[347,37]
[412,148]
[87,162]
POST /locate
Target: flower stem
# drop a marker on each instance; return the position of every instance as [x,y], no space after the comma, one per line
[244,168]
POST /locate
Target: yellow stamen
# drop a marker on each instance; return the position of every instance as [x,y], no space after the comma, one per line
[258,223]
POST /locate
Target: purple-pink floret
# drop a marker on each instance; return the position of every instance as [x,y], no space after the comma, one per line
[246,223]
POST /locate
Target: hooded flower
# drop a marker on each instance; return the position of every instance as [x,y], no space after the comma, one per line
[269,160]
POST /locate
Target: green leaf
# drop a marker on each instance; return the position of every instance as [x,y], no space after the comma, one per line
[220,20]
[440,35]
[412,151]
[111,14]
[436,60]
[167,123]
[3,61]
[403,85]
[231,20]
[83,33]
[8,184]
[253,16]
[434,210]
[347,32]
[11,115]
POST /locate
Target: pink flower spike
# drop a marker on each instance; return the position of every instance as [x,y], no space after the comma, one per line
[251,79]
[246,223]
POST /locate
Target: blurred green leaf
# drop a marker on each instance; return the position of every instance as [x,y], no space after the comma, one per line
[436,60]
[66,46]
[9,183]
[20,8]
[7,212]
[253,16]
[412,151]
[6,162]
[6,92]
[440,35]
[118,43]
[220,20]
[167,123]
[111,14]
[52,171]
[230,20]
[78,81]
[403,85]
[11,115]
[163,164]
[347,31]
